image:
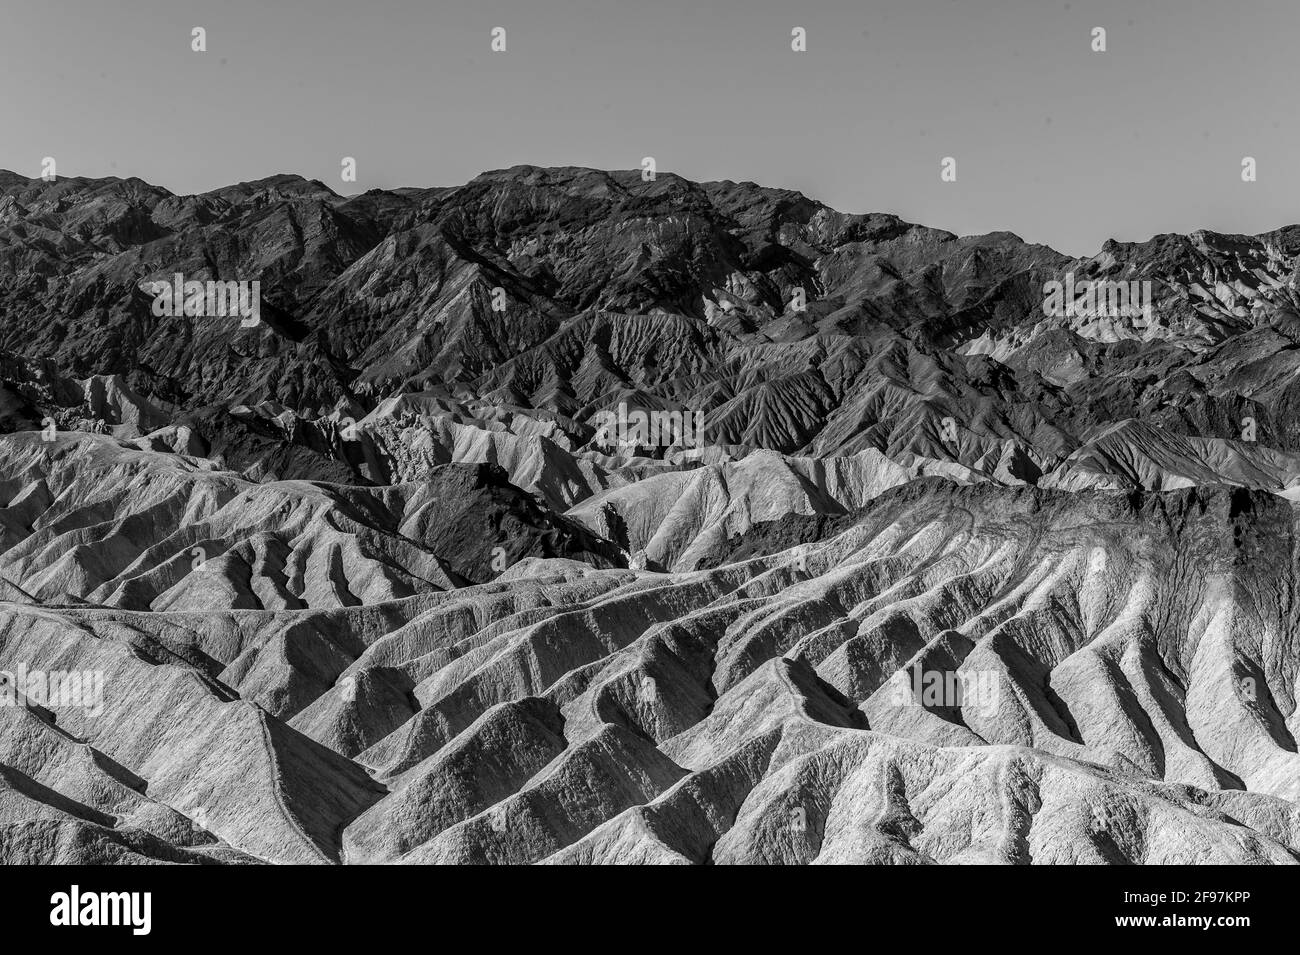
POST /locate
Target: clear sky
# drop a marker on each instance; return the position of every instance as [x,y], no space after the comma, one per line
[1054,142]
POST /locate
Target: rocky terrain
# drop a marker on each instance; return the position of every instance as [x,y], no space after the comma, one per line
[944,575]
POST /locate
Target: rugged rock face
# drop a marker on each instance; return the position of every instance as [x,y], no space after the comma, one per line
[941,575]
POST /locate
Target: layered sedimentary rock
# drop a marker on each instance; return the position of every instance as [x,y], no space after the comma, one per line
[401,574]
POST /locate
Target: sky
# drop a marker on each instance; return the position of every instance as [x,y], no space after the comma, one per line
[1052,141]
